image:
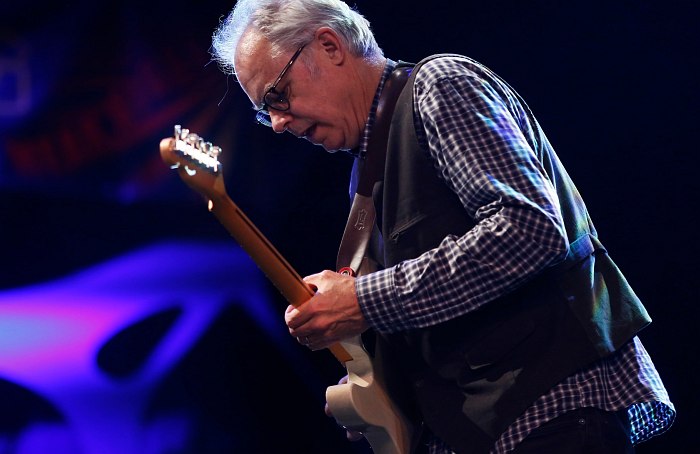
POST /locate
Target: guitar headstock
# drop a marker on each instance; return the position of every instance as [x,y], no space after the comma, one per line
[196,161]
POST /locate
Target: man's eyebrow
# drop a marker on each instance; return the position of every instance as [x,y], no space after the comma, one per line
[257,106]
[261,105]
[266,90]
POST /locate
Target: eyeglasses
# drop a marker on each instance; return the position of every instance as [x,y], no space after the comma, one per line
[274,100]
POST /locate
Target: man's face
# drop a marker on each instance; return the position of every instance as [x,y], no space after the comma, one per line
[320,105]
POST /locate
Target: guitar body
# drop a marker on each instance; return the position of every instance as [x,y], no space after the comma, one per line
[362,403]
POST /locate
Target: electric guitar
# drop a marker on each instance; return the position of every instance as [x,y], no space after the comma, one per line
[362,403]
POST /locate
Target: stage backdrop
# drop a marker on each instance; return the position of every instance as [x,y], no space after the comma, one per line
[88,89]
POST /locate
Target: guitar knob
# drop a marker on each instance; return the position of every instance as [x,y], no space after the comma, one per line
[346,271]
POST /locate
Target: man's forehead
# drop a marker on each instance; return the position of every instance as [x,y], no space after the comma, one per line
[252,42]
[253,65]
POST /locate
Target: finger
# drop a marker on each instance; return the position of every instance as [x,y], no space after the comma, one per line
[311,281]
[316,280]
[312,344]
[167,144]
[290,313]
[295,318]
[312,277]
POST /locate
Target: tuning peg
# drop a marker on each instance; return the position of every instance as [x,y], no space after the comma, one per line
[192,139]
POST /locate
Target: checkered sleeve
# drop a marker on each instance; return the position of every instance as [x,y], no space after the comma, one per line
[478,137]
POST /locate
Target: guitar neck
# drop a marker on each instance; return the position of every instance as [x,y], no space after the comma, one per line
[268,259]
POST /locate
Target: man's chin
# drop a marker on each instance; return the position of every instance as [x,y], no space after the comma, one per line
[330,148]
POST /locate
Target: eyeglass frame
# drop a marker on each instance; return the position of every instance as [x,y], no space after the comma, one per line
[263,111]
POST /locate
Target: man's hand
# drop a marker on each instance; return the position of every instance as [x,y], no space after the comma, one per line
[331,315]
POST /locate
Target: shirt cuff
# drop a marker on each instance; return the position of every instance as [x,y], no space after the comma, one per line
[378,302]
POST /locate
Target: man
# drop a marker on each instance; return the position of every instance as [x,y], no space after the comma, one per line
[513,328]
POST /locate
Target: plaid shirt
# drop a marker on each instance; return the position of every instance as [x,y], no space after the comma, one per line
[481,146]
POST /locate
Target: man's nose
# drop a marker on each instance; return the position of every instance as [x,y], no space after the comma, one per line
[279,120]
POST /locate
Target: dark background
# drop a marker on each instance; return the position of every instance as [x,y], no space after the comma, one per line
[612,83]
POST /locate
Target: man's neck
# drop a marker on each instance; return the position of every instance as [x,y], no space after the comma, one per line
[369,74]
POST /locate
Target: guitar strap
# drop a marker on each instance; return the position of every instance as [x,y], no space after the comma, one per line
[352,253]
[363,216]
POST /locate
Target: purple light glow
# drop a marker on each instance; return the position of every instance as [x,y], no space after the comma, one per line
[50,335]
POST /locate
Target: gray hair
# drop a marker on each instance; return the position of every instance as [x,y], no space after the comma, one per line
[289,24]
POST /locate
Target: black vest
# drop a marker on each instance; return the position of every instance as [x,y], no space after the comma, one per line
[472,376]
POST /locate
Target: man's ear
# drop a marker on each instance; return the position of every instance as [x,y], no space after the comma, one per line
[330,45]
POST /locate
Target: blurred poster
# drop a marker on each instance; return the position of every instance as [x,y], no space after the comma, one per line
[87,89]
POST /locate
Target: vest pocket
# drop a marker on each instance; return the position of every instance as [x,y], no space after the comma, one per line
[396,234]
[497,344]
